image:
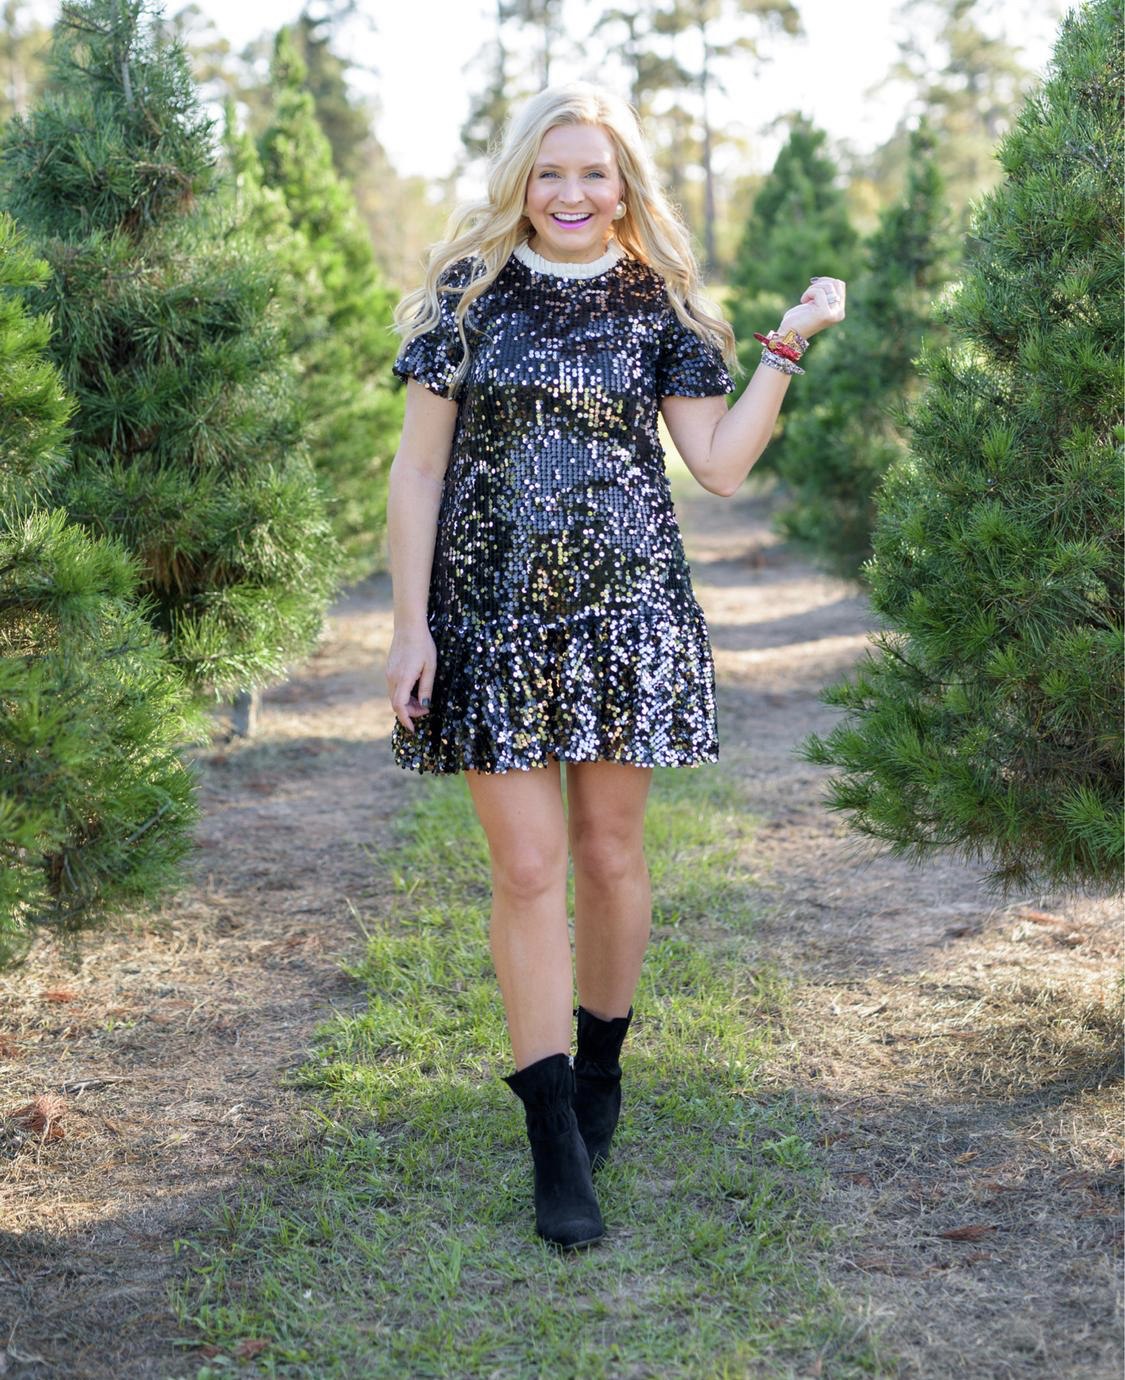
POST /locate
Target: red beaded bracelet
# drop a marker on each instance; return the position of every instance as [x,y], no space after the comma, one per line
[783,345]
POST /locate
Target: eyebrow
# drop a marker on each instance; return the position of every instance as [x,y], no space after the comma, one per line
[559,165]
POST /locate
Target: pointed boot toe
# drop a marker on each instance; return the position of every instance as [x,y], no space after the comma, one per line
[566,1206]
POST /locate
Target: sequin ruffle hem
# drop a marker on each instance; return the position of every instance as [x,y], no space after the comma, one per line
[595,687]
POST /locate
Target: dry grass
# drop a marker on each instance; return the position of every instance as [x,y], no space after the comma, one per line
[1012,1015]
[162,1049]
[972,1119]
[960,1056]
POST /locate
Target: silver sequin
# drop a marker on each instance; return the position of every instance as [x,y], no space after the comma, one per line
[560,598]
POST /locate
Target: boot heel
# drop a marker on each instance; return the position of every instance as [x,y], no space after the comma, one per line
[566,1207]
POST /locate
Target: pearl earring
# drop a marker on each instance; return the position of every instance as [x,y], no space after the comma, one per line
[620,211]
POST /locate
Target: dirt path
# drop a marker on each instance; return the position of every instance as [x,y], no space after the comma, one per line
[171,1095]
[963,1054]
[953,1047]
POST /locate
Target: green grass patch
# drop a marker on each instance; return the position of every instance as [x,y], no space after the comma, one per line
[396,1237]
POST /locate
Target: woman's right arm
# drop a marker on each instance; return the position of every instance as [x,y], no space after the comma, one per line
[413,499]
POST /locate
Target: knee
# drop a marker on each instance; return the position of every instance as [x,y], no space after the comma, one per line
[530,872]
[607,858]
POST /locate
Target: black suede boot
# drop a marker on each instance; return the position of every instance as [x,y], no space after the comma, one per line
[597,1080]
[566,1208]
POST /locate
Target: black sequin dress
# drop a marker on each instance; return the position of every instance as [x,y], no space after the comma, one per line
[560,600]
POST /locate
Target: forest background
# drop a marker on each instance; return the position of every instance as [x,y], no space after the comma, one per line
[410,113]
[250,484]
[199,407]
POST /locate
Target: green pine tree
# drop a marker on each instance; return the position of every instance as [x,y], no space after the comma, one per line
[341,334]
[95,803]
[799,227]
[188,442]
[968,82]
[838,449]
[344,118]
[262,215]
[988,719]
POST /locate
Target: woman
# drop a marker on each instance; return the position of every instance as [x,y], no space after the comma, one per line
[543,606]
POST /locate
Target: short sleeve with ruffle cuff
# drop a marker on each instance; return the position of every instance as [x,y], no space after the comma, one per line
[687,366]
[434,356]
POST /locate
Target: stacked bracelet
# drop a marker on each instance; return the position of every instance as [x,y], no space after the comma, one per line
[783,351]
[785,365]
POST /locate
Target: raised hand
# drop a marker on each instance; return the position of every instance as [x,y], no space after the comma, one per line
[821,305]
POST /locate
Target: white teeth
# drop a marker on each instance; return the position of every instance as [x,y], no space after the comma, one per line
[561,215]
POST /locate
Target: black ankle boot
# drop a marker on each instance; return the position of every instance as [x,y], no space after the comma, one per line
[566,1208]
[597,1081]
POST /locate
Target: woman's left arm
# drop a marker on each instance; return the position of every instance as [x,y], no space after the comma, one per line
[720,444]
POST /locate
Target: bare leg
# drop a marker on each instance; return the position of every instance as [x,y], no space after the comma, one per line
[522,815]
[612,894]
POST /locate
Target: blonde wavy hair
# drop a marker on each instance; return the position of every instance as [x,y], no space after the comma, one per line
[489,228]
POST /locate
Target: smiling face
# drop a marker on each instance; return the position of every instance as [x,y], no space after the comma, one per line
[575,173]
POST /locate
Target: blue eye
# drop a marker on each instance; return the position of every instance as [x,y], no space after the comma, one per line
[594,172]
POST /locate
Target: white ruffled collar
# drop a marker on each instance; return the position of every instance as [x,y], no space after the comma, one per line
[538,264]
